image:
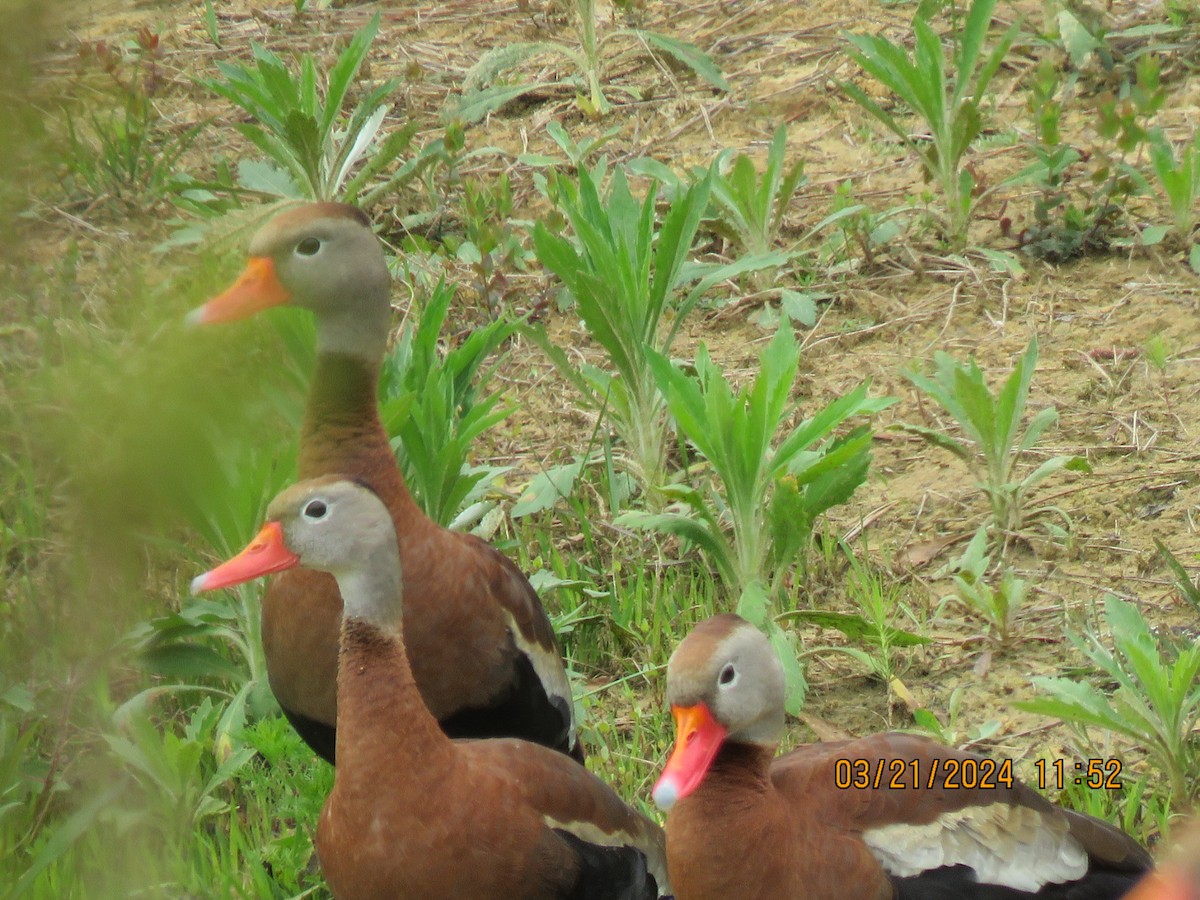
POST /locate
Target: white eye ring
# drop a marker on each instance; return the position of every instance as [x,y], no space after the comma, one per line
[315,510]
[728,677]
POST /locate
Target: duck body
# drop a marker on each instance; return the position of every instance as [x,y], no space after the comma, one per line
[414,814]
[483,651]
[406,794]
[876,844]
[744,823]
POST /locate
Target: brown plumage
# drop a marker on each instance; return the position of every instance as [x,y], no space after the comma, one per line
[412,813]
[743,823]
[483,651]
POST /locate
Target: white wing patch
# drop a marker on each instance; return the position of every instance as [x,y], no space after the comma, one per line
[591,833]
[1006,844]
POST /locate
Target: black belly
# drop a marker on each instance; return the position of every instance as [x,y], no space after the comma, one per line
[523,712]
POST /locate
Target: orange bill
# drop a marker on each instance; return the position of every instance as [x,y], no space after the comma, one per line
[698,737]
[257,288]
[265,554]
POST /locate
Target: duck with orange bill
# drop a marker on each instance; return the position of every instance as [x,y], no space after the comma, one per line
[482,647]
[412,813]
[816,823]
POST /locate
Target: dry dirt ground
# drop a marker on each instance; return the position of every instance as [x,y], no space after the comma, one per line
[1134,423]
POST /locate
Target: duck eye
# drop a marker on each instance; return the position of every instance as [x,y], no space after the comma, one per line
[315,510]
[308,247]
[728,676]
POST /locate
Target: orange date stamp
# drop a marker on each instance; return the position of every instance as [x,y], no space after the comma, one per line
[923,774]
[1055,774]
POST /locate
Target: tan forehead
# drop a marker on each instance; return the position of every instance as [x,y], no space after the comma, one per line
[285,226]
[311,212]
[698,649]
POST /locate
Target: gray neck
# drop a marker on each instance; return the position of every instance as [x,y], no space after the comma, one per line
[355,332]
[372,592]
[766,732]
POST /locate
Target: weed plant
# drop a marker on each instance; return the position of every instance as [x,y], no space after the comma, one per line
[577,152]
[1179,179]
[194,818]
[306,136]
[1138,808]
[624,274]
[135,449]
[774,484]
[1068,221]
[953,732]
[880,601]
[1183,581]
[614,619]
[490,241]
[1156,703]
[945,93]
[485,91]
[751,209]
[432,404]
[748,213]
[126,152]
[859,229]
[1082,193]
[993,425]
[994,597]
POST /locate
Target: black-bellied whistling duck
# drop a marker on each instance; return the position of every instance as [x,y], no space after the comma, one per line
[744,823]
[413,813]
[483,650]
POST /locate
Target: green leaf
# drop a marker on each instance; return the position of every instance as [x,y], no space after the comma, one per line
[341,76]
[752,604]
[547,488]
[695,530]
[1076,39]
[66,833]
[688,54]
[1154,234]
[261,176]
[937,439]
[1183,579]
[1056,464]
[478,104]
[799,307]
[709,274]
[189,661]
[928,721]
[795,684]
[858,628]
[1072,701]
[1037,427]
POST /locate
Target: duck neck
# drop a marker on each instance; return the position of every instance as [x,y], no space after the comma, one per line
[745,766]
[377,695]
[342,433]
[358,329]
